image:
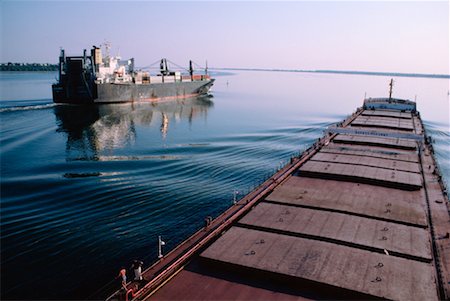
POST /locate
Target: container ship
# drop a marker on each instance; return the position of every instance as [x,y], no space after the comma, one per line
[96,78]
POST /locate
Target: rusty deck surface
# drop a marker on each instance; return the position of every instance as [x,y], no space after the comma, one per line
[345,267]
[366,160]
[384,122]
[372,152]
[396,143]
[362,174]
[387,113]
[200,282]
[406,207]
[354,217]
[341,228]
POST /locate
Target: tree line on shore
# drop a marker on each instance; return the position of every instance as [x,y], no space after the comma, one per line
[28,67]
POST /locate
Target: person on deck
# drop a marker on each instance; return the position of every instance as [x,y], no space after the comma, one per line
[123,275]
[137,268]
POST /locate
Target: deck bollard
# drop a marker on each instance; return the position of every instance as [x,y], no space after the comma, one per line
[235,193]
[160,244]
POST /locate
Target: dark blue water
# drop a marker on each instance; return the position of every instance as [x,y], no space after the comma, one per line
[85,190]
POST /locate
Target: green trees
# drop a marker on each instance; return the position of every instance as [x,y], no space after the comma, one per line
[28,67]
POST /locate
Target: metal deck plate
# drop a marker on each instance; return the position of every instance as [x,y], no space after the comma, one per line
[367,200]
[376,141]
[367,161]
[196,286]
[395,114]
[340,266]
[361,150]
[406,241]
[362,174]
[387,122]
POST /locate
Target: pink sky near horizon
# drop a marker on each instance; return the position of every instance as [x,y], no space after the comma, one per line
[410,37]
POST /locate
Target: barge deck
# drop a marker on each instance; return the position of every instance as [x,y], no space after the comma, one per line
[362,214]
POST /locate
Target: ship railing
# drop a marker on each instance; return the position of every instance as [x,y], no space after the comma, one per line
[174,78]
[380,99]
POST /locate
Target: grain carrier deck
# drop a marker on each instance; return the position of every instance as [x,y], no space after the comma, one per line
[362,214]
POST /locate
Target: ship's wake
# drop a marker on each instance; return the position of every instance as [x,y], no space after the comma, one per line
[28,107]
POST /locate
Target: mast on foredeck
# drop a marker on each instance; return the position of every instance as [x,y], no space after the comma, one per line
[391,84]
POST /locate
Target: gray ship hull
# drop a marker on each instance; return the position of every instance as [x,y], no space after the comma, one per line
[130,92]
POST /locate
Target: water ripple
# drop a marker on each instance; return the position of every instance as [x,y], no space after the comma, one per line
[27,108]
[89,188]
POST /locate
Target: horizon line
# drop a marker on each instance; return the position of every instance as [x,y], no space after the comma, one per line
[376,73]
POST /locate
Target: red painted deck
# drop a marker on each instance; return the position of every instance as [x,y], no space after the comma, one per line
[355,217]
[351,268]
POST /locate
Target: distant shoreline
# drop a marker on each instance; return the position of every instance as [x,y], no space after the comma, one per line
[397,74]
[28,67]
[54,67]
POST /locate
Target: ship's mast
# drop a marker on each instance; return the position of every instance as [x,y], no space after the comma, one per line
[107,47]
[191,70]
[391,84]
[107,59]
[163,67]
[62,60]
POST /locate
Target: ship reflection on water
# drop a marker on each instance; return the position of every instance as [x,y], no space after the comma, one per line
[93,130]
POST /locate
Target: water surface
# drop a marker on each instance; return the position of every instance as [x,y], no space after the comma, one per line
[85,190]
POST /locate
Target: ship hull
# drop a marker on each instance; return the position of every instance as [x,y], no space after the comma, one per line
[131,92]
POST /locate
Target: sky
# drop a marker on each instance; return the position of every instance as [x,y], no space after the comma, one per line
[379,36]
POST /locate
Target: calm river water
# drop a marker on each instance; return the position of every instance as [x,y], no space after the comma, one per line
[85,190]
